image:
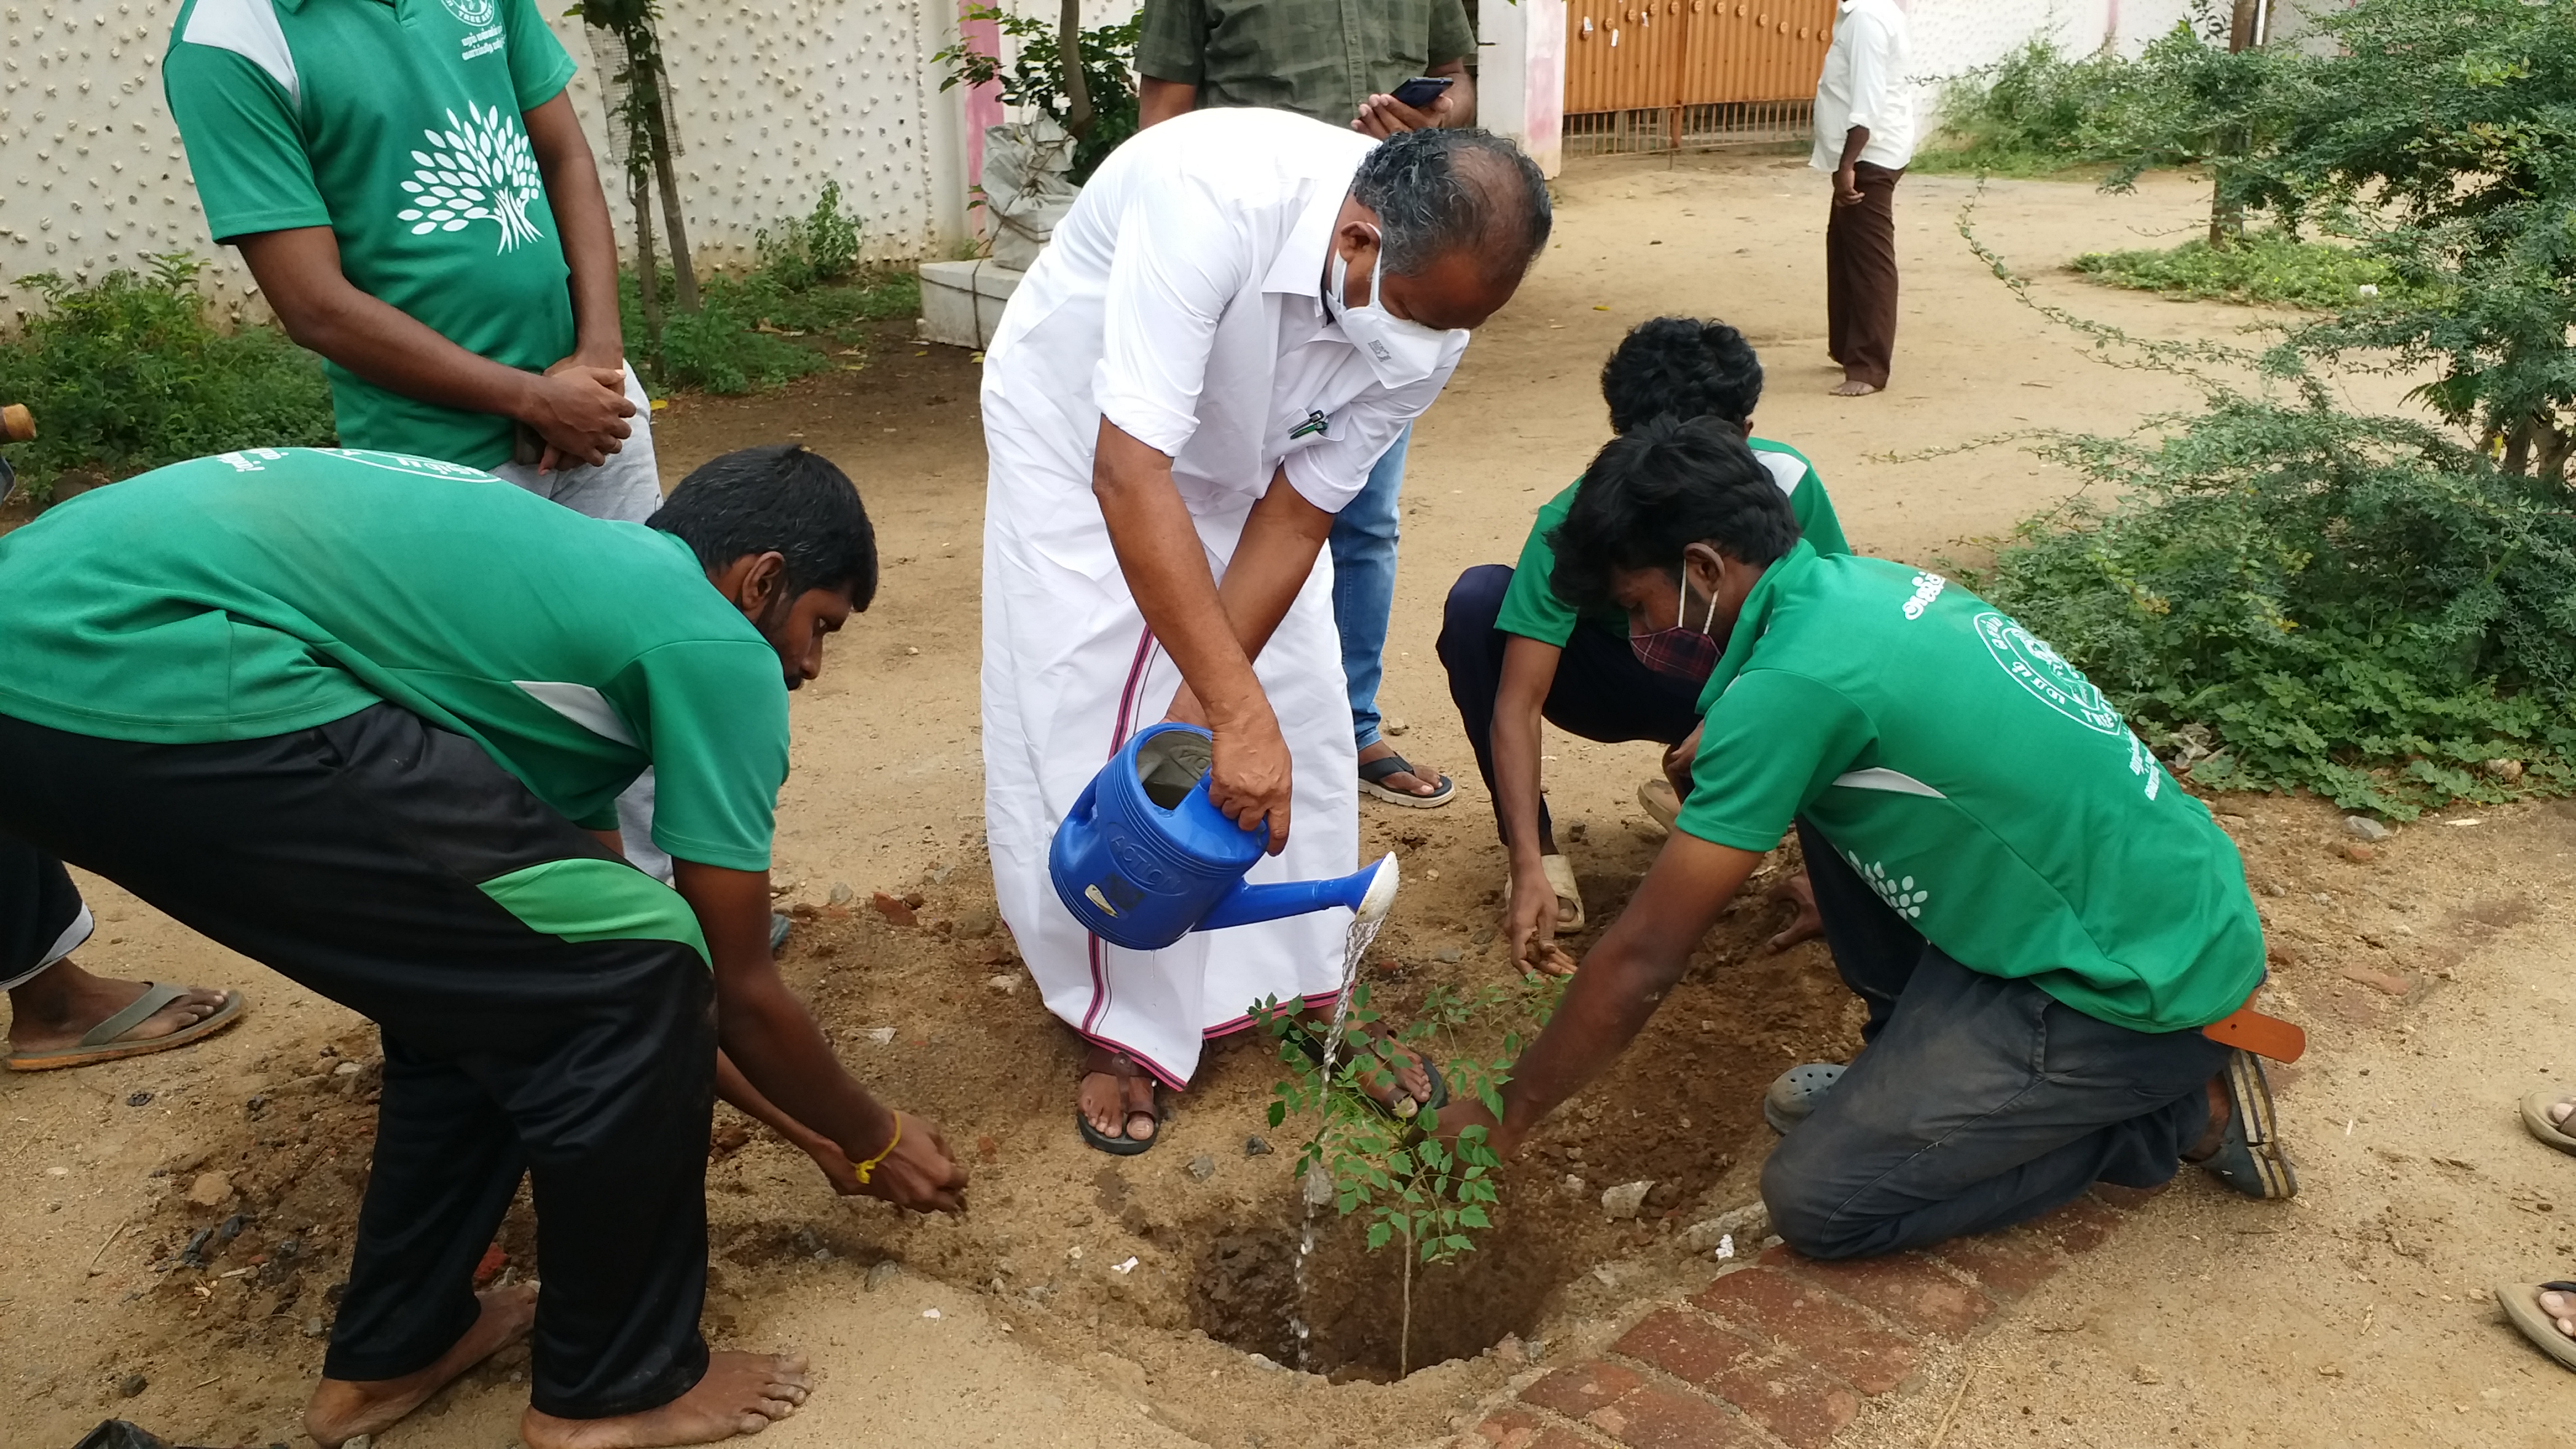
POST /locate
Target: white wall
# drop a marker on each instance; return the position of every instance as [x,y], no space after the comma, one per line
[776,97]
[1950,36]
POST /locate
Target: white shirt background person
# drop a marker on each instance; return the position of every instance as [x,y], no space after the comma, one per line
[1864,84]
[1182,301]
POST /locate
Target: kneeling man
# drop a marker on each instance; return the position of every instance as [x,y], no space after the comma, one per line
[2039,919]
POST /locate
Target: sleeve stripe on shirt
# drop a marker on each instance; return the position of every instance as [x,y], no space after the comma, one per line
[1894,782]
[249,29]
[581,704]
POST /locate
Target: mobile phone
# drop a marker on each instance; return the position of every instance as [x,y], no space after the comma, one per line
[1422,90]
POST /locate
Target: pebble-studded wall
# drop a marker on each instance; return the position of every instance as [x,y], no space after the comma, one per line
[776,97]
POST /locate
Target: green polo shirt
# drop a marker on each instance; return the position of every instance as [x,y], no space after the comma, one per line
[1986,791]
[1532,607]
[397,124]
[258,593]
[1319,58]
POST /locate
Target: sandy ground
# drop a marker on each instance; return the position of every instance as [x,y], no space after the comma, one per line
[2349,1318]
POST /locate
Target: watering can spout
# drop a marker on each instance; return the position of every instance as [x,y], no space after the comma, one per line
[1368,893]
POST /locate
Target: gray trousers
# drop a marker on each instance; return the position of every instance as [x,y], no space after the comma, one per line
[1978,1102]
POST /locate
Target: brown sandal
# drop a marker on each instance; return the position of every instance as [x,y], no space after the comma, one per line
[1107,1061]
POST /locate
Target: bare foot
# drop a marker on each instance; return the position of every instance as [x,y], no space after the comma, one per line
[1853,387]
[743,1393]
[56,1009]
[2558,1112]
[342,1409]
[1419,782]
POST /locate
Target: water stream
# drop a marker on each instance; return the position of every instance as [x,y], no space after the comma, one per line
[1317,1188]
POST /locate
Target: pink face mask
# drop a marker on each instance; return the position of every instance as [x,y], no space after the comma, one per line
[1681,651]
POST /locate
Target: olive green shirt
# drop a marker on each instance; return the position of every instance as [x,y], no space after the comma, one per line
[1319,58]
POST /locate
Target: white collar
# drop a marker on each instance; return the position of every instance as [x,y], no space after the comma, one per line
[1300,265]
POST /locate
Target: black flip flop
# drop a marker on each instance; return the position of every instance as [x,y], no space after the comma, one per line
[1374,773]
[1314,1050]
[1108,1062]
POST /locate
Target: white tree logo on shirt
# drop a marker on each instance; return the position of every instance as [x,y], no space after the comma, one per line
[483,171]
[1900,895]
[475,13]
[2049,678]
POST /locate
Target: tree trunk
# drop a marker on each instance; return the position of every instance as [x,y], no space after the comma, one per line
[648,271]
[1077,91]
[2227,219]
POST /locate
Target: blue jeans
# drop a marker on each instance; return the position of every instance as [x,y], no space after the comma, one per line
[1363,543]
[1979,1102]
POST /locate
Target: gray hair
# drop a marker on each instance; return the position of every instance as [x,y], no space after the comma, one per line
[1440,190]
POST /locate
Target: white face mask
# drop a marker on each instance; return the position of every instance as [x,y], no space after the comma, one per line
[1398,352]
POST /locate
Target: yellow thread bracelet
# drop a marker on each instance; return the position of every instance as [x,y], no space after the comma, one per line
[869,1166]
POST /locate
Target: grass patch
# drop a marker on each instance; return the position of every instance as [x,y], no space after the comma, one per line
[2265,269]
[127,375]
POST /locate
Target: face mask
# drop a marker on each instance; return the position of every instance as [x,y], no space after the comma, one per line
[1398,352]
[1681,651]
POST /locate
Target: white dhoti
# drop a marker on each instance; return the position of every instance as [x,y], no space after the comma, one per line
[1070,671]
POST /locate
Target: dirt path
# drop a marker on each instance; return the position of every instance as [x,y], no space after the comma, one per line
[1042,1338]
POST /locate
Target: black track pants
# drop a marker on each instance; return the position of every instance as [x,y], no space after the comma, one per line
[42,919]
[354,858]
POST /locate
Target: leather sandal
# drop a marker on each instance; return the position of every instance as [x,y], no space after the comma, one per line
[1112,1062]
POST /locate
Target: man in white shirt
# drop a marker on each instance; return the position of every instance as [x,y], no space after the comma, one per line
[1865,137]
[1239,315]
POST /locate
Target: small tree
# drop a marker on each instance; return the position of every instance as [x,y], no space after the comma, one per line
[2443,134]
[643,135]
[1084,79]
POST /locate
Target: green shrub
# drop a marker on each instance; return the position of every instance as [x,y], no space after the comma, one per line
[127,375]
[2358,606]
[2029,114]
[2265,268]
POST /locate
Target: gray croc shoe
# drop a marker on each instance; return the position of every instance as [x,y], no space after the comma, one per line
[1795,1093]
[2521,1304]
[2250,1159]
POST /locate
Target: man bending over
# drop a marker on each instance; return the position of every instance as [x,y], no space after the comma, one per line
[2040,921]
[365,717]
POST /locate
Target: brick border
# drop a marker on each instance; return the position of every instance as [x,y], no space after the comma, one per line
[1779,1353]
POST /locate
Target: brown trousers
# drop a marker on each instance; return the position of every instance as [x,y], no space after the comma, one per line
[1860,278]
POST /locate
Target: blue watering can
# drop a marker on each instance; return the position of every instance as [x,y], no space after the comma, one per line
[1145,857]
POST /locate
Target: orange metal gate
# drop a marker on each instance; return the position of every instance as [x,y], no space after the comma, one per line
[1652,74]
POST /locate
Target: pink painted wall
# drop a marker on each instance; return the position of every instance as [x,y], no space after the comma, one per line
[983,103]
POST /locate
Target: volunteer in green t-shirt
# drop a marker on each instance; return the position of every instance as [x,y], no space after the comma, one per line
[413,194]
[364,717]
[2039,919]
[1517,652]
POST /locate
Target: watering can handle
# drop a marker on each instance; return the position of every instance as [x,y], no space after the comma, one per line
[1086,804]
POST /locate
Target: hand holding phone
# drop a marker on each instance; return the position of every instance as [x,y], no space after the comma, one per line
[1422,90]
[1409,108]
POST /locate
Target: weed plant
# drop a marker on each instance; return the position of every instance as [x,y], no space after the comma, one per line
[127,374]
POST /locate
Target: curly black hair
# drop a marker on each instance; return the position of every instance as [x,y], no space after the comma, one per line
[1653,492]
[1682,366]
[783,499]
